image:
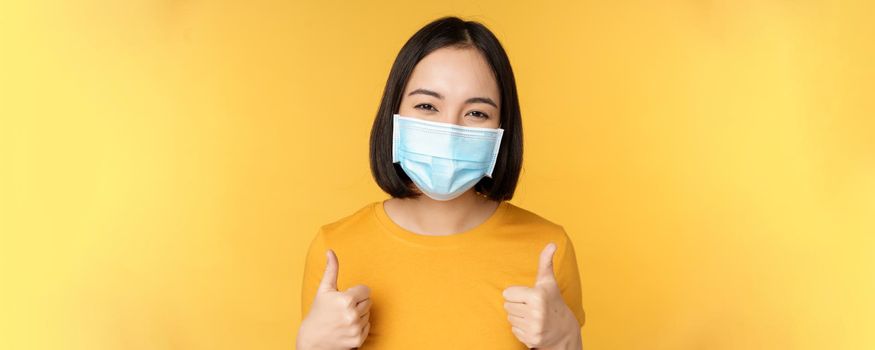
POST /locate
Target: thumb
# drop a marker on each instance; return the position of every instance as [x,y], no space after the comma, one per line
[329,277]
[545,264]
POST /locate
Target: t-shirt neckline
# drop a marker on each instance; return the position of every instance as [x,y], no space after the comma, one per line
[455,239]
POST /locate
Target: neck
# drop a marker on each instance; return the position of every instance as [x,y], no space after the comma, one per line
[433,217]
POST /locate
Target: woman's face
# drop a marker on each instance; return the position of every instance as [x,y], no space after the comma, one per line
[453,85]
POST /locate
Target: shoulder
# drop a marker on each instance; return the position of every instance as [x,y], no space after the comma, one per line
[565,257]
[518,216]
[526,225]
[348,224]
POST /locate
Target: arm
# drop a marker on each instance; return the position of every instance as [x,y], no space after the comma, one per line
[332,319]
[572,340]
[550,314]
[568,279]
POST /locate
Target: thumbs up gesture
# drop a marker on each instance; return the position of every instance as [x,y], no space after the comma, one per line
[538,315]
[337,320]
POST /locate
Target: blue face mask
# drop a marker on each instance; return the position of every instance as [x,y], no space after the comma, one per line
[443,160]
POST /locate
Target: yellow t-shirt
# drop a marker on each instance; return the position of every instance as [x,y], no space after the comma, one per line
[441,292]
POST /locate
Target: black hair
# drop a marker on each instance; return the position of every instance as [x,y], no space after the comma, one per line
[449,32]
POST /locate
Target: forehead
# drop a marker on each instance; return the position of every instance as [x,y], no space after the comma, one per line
[455,72]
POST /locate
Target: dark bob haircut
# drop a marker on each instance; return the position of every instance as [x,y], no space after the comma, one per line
[449,32]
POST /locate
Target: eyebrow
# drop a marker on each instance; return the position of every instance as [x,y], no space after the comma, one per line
[485,100]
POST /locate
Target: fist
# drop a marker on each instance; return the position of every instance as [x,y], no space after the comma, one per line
[538,315]
[337,320]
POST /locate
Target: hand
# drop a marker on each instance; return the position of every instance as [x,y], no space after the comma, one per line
[539,316]
[337,320]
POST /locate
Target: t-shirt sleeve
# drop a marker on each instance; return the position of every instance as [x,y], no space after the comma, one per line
[314,268]
[568,278]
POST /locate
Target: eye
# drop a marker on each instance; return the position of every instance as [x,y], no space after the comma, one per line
[427,107]
[480,115]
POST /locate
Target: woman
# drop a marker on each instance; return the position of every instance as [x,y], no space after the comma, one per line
[446,262]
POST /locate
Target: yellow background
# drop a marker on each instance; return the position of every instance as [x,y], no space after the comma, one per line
[163,164]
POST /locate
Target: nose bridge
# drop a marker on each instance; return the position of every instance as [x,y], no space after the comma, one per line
[452,114]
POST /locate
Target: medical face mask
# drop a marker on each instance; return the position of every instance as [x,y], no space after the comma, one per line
[443,160]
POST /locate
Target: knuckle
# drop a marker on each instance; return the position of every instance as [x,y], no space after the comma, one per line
[346,299]
[350,318]
[353,331]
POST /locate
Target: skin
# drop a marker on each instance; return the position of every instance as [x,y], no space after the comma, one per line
[450,85]
[455,75]
[538,315]
[337,320]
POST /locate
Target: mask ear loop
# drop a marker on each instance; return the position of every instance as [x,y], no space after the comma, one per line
[481,194]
